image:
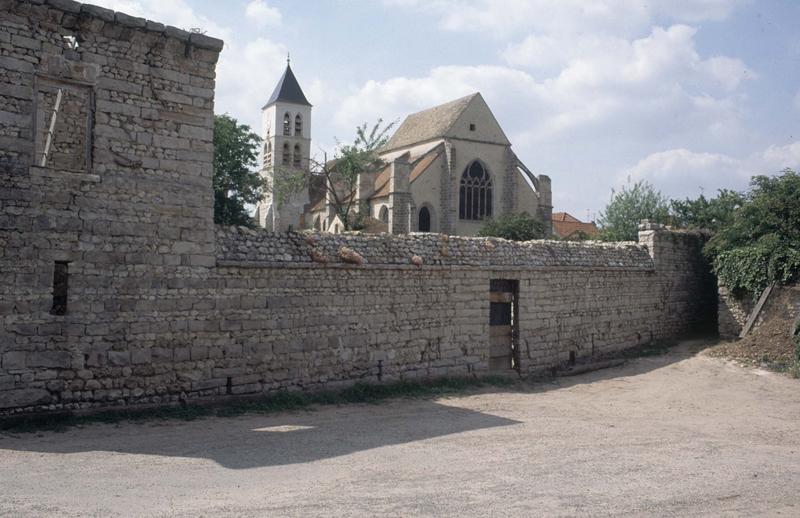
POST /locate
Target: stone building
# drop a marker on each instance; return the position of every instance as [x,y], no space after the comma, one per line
[567,226]
[117,289]
[448,168]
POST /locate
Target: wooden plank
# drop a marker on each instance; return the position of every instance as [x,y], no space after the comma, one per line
[499,350]
[751,320]
[497,296]
[499,331]
[504,341]
[500,363]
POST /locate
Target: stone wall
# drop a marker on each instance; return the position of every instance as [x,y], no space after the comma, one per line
[130,217]
[162,307]
[733,312]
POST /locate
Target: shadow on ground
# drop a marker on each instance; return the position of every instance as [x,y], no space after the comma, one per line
[267,440]
[303,436]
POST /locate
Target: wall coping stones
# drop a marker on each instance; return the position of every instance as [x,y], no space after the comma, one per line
[249,246]
[109,16]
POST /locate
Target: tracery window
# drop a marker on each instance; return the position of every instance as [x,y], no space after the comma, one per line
[475,195]
[287,124]
[298,126]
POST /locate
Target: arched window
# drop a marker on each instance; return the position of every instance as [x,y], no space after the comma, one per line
[298,125]
[475,196]
[384,214]
[317,224]
[296,158]
[268,153]
[286,158]
[287,124]
[424,220]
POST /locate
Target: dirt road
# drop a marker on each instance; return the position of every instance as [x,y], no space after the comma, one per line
[675,435]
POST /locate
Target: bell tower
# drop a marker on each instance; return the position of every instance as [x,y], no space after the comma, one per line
[286,132]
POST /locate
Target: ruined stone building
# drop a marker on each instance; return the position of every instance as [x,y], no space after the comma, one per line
[116,288]
[448,168]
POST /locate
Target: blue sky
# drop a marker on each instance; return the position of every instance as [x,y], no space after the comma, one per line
[691,95]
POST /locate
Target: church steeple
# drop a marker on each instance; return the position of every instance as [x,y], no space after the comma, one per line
[286,131]
[288,89]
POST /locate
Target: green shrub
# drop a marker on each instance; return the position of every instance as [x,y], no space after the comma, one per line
[516,227]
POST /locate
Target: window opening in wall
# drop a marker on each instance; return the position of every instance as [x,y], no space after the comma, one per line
[60,288]
[298,125]
[71,41]
[424,220]
[475,195]
[384,214]
[297,158]
[287,124]
[286,157]
[472,127]
[63,125]
[268,154]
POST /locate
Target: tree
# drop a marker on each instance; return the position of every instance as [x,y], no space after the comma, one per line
[628,207]
[761,244]
[710,214]
[338,177]
[236,184]
[516,227]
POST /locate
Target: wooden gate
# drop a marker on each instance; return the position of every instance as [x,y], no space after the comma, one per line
[503,324]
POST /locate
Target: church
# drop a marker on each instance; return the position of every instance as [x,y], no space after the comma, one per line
[445,169]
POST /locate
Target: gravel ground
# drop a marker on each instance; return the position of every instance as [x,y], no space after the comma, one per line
[681,434]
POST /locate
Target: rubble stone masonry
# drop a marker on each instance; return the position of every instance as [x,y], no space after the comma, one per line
[162,306]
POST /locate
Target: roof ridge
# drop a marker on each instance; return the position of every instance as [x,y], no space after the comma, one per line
[461,111]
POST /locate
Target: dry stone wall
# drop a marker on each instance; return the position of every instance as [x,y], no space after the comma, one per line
[161,306]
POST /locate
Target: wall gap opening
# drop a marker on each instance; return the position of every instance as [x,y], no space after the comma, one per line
[60,288]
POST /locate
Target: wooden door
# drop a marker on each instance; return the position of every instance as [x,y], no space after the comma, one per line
[502,332]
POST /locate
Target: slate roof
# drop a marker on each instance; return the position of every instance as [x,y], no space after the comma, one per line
[288,90]
[428,124]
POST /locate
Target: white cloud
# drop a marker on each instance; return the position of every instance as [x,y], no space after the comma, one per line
[246,75]
[650,87]
[681,173]
[171,12]
[505,17]
[261,14]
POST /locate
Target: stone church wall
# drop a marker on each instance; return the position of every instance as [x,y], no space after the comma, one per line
[116,288]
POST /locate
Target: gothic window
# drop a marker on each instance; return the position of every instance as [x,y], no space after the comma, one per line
[317,224]
[384,214]
[475,195]
[298,126]
[424,220]
[287,124]
[296,158]
[286,158]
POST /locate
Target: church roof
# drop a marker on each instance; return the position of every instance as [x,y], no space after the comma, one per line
[429,124]
[420,164]
[288,90]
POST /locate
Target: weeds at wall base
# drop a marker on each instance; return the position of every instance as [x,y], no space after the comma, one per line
[272,403]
